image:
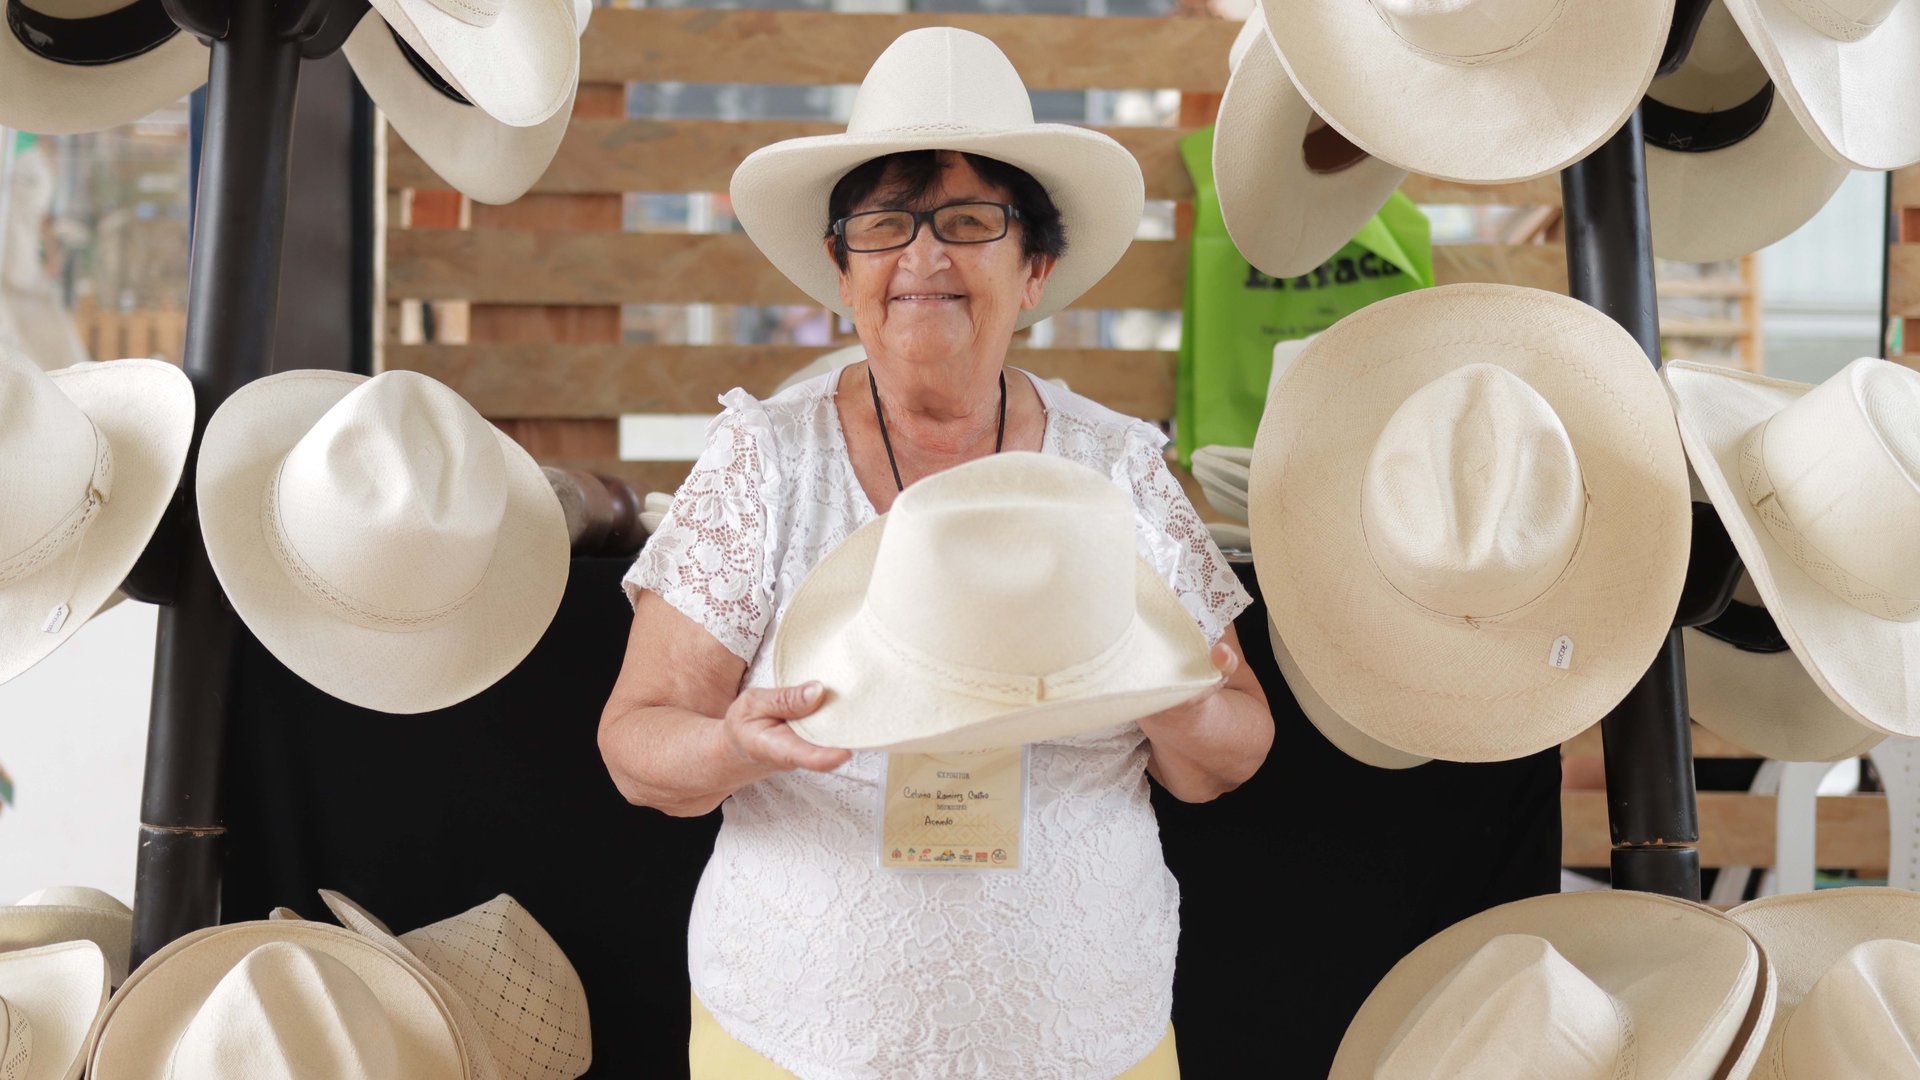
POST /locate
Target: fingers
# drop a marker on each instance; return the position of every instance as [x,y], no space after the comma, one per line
[781,702]
[1225,659]
[777,747]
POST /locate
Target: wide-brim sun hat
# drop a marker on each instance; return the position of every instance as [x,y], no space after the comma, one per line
[51,1000]
[1845,68]
[940,88]
[297,963]
[1470,515]
[90,458]
[479,156]
[1597,985]
[71,913]
[516,60]
[1474,91]
[998,603]
[68,66]
[1292,191]
[1729,167]
[1816,487]
[381,539]
[1348,739]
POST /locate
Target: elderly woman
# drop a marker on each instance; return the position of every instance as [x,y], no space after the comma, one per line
[944,220]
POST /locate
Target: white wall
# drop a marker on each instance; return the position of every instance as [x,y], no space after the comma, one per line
[73,735]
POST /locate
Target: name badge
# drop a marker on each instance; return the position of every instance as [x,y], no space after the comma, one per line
[954,812]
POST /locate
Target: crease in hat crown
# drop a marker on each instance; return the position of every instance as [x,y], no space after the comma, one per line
[1835,477]
[940,79]
[478,13]
[1472,504]
[1858,1018]
[61,472]
[388,510]
[1468,33]
[1843,20]
[286,1010]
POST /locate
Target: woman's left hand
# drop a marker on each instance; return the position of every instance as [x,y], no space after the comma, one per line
[1206,747]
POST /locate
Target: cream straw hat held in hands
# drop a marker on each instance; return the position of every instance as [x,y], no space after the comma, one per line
[69,66]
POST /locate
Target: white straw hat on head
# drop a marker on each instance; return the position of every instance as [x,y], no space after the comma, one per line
[1744,685]
[1475,91]
[275,1001]
[51,998]
[1292,190]
[1846,69]
[1819,487]
[516,1001]
[90,457]
[1000,602]
[69,66]
[1729,168]
[379,537]
[516,60]
[71,913]
[487,160]
[1848,962]
[1576,986]
[939,88]
[1470,515]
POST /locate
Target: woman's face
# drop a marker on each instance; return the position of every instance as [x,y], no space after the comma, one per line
[931,301]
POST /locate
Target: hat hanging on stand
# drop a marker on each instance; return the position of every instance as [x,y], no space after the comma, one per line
[51,999]
[1292,190]
[1729,168]
[1816,487]
[380,538]
[483,157]
[90,457]
[71,913]
[1846,69]
[518,61]
[1474,91]
[68,66]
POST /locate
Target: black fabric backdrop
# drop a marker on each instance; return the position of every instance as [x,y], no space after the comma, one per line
[1300,889]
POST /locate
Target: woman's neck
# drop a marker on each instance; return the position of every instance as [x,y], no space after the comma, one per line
[939,409]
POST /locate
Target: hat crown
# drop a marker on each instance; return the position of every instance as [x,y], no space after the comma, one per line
[1841,469]
[16,1042]
[74,896]
[941,78]
[1473,503]
[1514,1009]
[472,12]
[1017,564]
[1859,1017]
[53,462]
[388,510]
[81,9]
[1721,69]
[1844,20]
[287,1011]
[1469,31]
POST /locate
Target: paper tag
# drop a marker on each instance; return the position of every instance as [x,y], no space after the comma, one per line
[1562,654]
[954,811]
[56,619]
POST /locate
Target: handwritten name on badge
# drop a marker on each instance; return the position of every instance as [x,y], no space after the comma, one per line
[937,815]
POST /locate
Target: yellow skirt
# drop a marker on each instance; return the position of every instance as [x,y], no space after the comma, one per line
[712,1054]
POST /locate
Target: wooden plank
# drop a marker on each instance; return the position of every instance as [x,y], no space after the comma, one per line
[586,381]
[1903,281]
[1704,288]
[645,476]
[1906,187]
[823,48]
[1705,745]
[1702,328]
[1736,829]
[528,267]
[1543,191]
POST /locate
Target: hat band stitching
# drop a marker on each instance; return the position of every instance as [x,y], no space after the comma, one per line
[1478,59]
[1830,22]
[316,587]
[72,523]
[1005,687]
[487,15]
[1816,564]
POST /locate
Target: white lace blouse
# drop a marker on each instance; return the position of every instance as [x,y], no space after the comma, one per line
[799,945]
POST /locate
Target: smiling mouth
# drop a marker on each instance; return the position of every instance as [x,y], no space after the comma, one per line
[921,298]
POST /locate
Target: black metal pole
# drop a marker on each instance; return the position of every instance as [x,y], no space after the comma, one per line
[232,305]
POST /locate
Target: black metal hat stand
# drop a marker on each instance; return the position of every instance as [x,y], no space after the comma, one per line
[233,299]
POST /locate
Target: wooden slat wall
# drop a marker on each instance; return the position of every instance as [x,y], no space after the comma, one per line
[1903,264]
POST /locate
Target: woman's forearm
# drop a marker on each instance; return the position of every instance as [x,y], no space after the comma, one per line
[673,759]
[1203,755]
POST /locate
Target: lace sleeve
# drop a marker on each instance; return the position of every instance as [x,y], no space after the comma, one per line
[711,557]
[1173,539]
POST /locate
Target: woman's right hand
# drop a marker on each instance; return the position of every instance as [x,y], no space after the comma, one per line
[756,730]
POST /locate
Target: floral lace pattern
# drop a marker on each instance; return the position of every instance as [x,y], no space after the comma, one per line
[799,945]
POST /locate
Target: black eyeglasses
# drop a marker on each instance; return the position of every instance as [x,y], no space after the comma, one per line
[961,223]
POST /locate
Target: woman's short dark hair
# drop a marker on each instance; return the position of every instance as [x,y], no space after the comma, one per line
[911,174]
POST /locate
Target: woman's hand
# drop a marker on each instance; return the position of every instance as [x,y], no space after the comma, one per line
[755,729]
[1208,746]
[1226,661]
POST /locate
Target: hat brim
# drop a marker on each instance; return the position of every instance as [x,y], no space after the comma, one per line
[1488,123]
[146,1018]
[1440,687]
[1348,739]
[391,672]
[780,194]
[1683,971]
[1285,217]
[24,926]
[520,69]
[51,98]
[62,990]
[1868,667]
[484,159]
[145,410]
[1766,703]
[1859,101]
[869,706]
